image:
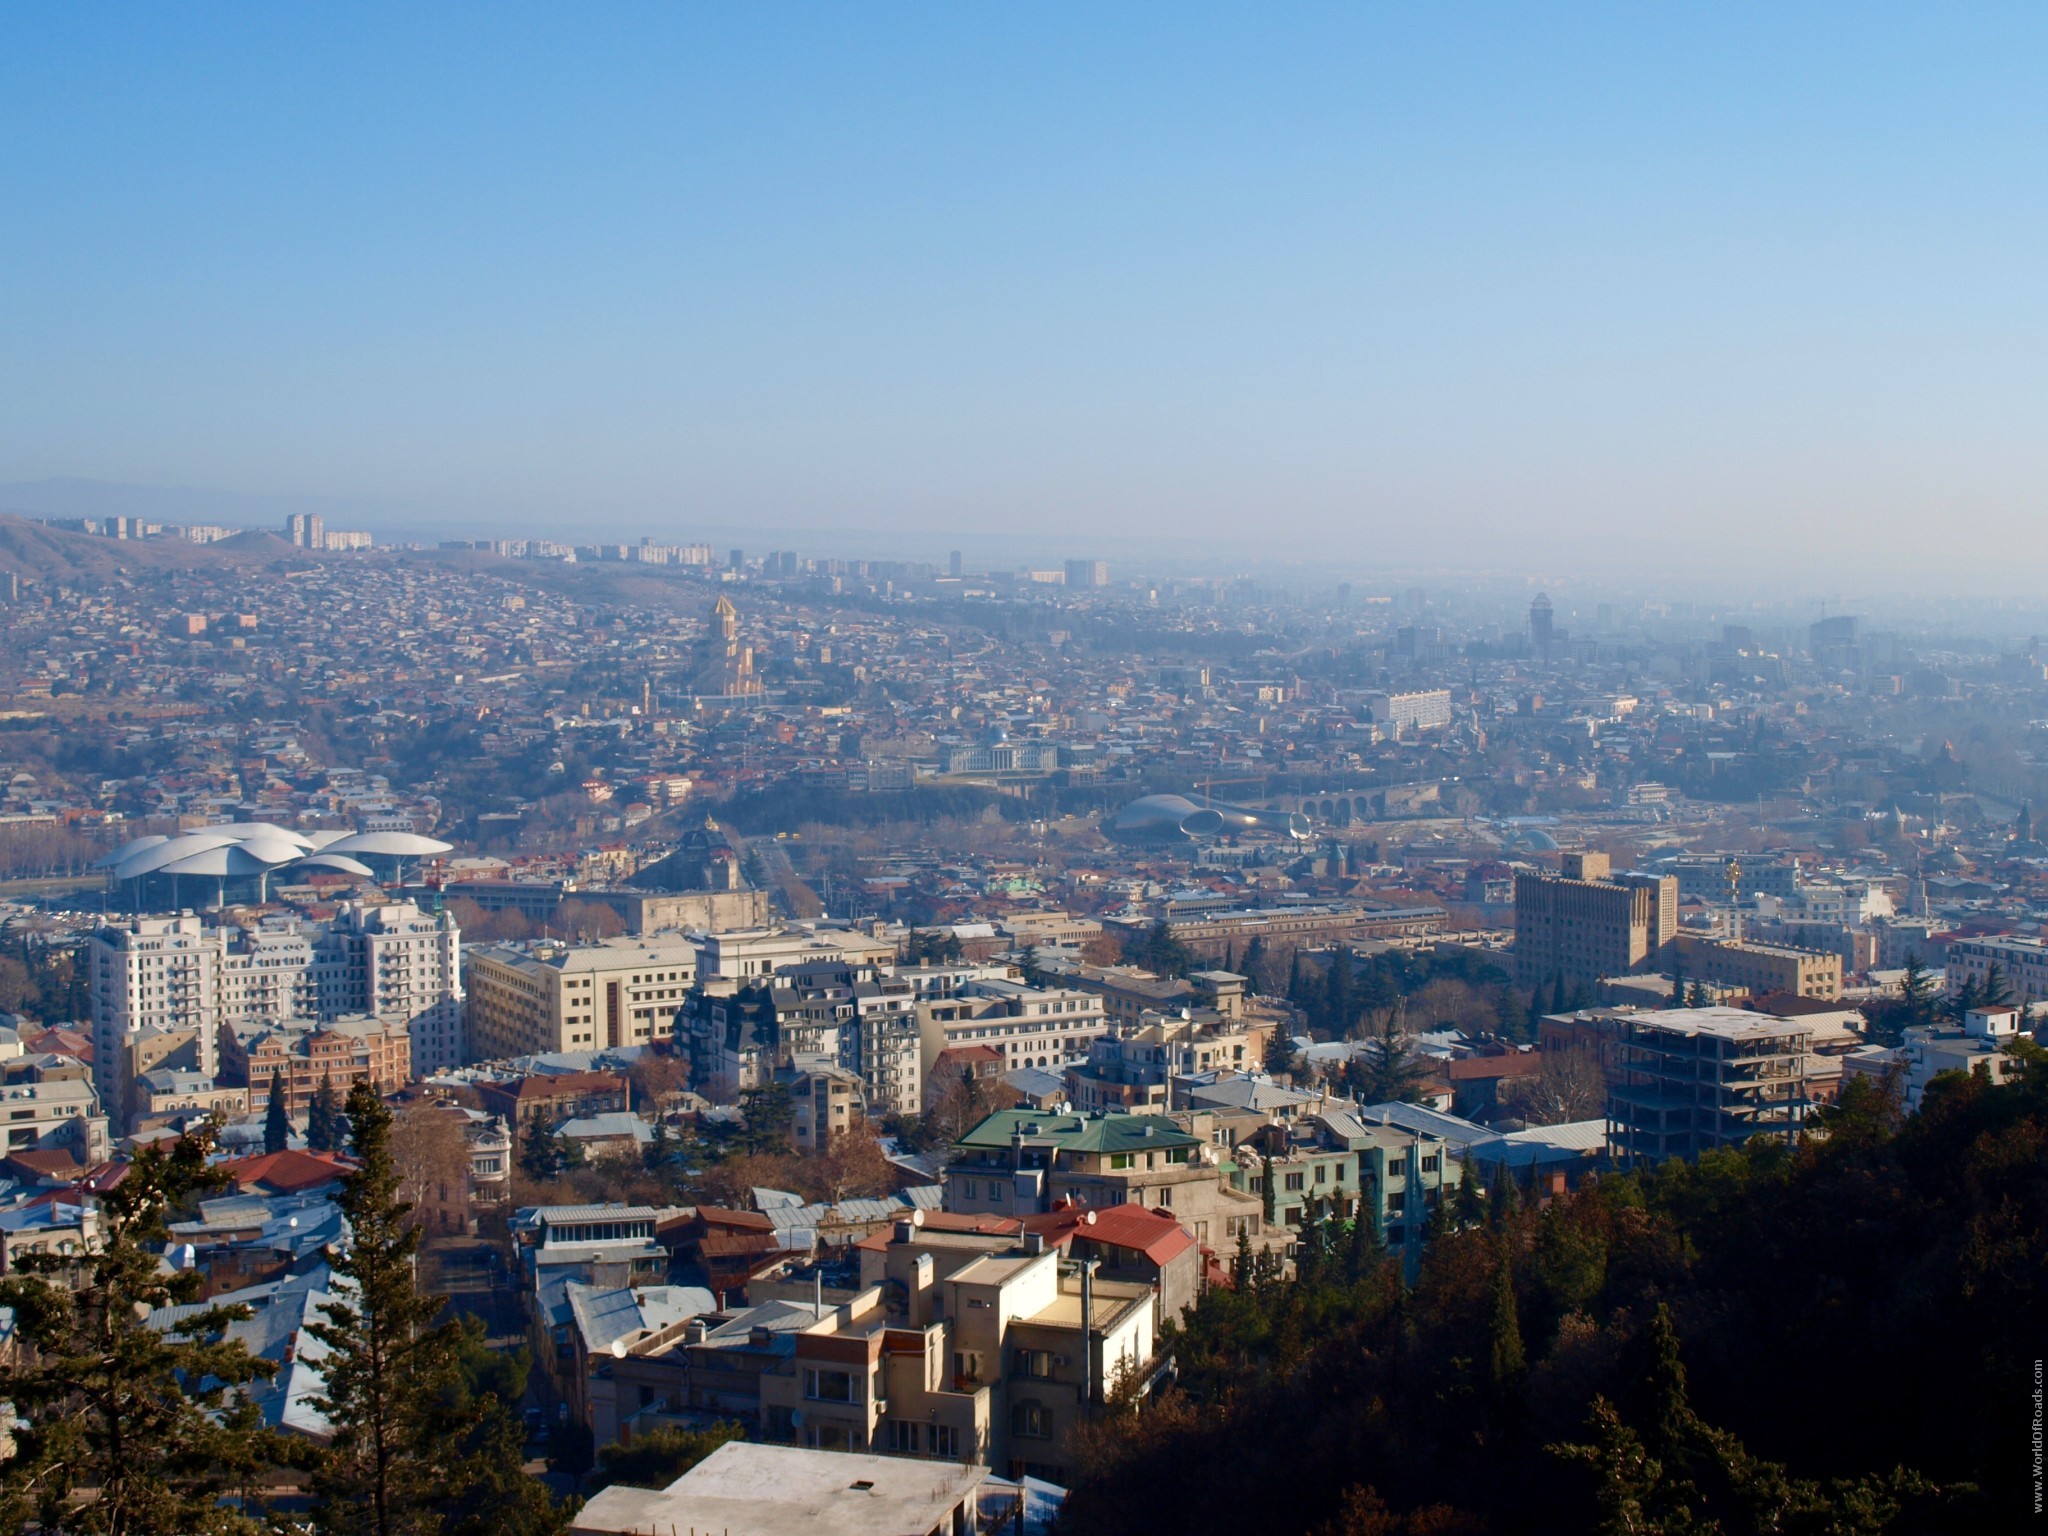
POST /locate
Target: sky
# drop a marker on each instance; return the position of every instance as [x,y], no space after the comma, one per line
[1662,288]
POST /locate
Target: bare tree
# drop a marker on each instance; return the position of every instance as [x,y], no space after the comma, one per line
[1447,1000]
[1569,1087]
[588,920]
[430,1152]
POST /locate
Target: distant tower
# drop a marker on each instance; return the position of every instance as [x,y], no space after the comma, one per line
[1540,626]
[316,531]
[725,667]
[953,563]
[2023,828]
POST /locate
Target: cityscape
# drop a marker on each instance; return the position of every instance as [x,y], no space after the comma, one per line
[1444,1022]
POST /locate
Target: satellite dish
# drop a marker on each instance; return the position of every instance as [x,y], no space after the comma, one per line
[796,1417]
[618,1349]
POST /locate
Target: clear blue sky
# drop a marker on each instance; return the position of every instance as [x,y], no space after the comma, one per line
[1680,286]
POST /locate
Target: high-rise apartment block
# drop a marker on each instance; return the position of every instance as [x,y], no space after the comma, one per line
[1088,573]
[158,977]
[1542,626]
[1588,922]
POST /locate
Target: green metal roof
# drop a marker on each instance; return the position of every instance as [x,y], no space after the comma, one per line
[1080,1133]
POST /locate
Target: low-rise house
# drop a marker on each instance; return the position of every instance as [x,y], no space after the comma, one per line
[743,1489]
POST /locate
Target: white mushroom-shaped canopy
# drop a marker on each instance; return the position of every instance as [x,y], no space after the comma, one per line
[221,860]
[326,835]
[251,831]
[339,861]
[128,849]
[147,861]
[399,845]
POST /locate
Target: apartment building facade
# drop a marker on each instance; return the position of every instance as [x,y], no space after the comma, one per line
[1587,923]
[580,997]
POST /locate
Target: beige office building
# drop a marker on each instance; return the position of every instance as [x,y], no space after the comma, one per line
[580,997]
[1763,968]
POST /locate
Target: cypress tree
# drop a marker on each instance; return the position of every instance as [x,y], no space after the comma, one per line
[1367,1247]
[1506,1359]
[388,1367]
[323,1117]
[277,1125]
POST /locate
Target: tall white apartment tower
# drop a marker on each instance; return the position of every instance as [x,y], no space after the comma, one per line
[402,964]
[158,972]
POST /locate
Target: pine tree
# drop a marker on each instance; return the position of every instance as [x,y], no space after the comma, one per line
[485,1488]
[138,1415]
[1997,990]
[324,1125]
[1393,1074]
[388,1367]
[541,1156]
[277,1125]
[1916,994]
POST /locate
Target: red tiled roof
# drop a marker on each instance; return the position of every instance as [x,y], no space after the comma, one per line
[50,1163]
[1159,1237]
[285,1172]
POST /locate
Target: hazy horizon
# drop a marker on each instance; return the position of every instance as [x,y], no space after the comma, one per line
[1727,295]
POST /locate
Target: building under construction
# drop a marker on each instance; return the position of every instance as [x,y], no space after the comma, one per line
[1691,1079]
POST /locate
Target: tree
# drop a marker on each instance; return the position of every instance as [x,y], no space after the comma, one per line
[660,1149]
[1279,1052]
[767,1116]
[657,1457]
[543,1154]
[1997,989]
[1569,1086]
[658,1079]
[487,1491]
[856,1166]
[1506,1360]
[1914,1007]
[387,1368]
[325,1126]
[1340,1012]
[1160,952]
[1670,1473]
[1253,965]
[589,920]
[277,1125]
[1392,1072]
[136,1418]
[430,1151]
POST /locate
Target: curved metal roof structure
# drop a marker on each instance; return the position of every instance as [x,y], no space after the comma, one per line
[1171,818]
[336,861]
[400,845]
[128,850]
[253,848]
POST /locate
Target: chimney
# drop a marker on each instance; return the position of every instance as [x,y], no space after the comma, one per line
[1034,1243]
